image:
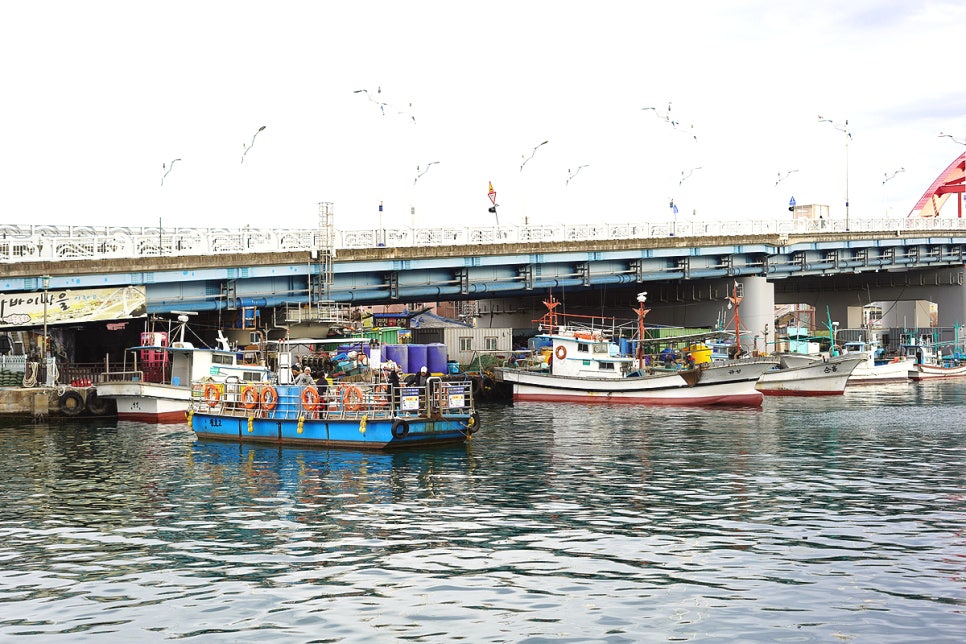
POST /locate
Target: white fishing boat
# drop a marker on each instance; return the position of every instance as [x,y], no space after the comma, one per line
[926,360]
[157,388]
[875,369]
[586,365]
[820,378]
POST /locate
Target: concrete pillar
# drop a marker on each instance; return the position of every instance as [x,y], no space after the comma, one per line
[757,311]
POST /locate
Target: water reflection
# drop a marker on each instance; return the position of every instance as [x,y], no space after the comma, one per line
[798,520]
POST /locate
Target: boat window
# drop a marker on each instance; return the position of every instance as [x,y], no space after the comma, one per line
[221,358]
[606,366]
[602,347]
[582,347]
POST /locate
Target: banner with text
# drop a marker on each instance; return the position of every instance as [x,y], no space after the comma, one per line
[72,306]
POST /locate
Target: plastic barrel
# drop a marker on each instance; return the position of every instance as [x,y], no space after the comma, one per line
[418,357]
[436,357]
[398,353]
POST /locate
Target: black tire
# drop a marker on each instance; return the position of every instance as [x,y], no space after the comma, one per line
[97,406]
[400,428]
[473,423]
[71,403]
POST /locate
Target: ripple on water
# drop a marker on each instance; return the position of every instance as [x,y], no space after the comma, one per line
[807,519]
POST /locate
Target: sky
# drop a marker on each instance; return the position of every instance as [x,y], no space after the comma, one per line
[101,97]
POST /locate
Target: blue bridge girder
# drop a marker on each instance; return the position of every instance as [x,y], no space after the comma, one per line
[386,275]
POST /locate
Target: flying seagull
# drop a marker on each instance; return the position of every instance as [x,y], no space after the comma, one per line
[168,168]
[955,140]
[425,170]
[249,147]
[526,159]
[684,176]
[575,172]
[782,177]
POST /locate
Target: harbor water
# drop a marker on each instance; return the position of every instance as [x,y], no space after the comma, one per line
[808,520]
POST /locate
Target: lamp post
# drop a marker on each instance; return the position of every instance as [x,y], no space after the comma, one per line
[843,127]
[886,178]
[46,282]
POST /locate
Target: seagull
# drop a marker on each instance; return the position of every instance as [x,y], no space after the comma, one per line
[419,174]
[782,177]
[249,147]
[575,173]
[525,160]
[887,176]
[955,140]
[684,176]
[169,167]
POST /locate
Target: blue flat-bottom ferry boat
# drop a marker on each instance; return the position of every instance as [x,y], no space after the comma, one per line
[349,414]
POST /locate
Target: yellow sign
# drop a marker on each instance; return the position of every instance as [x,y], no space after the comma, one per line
[72,306]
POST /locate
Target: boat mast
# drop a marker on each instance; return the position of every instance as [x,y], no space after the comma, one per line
[548,322]
[641,312]
[734,299]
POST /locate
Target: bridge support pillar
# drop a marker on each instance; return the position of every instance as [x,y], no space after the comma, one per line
[757,314]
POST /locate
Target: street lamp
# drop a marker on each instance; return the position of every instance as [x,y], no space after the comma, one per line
[886,178]
[46,282]
[843,127]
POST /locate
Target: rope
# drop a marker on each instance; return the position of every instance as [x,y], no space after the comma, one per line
[30,374]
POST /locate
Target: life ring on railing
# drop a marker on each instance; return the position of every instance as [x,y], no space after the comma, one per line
[212,395]
[351,397]
[249,397]
[560,352]
[310,399]
[399,428]
[269,398]
[381,395]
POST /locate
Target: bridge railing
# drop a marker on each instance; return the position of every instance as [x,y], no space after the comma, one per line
[61,243]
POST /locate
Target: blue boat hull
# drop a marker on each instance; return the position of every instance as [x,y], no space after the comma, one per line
[362,433]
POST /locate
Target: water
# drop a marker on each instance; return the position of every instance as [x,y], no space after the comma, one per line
[838,519]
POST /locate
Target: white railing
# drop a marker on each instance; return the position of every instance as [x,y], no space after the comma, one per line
[62,243]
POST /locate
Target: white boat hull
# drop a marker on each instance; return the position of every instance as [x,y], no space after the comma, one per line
[820,379]
[725,384]
[933,371]
[147,402]
[871,373]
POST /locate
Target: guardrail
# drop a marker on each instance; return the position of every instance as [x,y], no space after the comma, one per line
[64,243]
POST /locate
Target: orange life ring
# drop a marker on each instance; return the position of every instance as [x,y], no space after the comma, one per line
[310,399]
[560,352]
[269,398]
[249,397]
[212,394]
[381,396]
[351,397]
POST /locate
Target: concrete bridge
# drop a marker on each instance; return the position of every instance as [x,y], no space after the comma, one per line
[689,269]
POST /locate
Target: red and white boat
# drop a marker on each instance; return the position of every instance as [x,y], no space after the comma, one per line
[926,363]
[158,386]
[585,365]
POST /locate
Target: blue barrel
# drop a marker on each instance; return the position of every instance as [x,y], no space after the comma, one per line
[418,357]
[437,357]
[398,353]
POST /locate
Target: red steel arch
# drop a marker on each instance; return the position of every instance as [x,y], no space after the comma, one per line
[950,182]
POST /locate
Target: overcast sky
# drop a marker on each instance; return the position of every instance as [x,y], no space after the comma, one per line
[100,97]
